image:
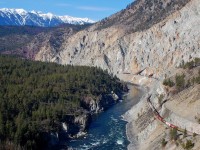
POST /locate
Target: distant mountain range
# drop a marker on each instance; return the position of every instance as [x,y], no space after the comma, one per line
[20,17]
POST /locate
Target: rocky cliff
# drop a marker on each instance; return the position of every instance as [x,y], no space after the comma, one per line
[131,45]
[153,36]
[27,41]
[157,35]
[76,125]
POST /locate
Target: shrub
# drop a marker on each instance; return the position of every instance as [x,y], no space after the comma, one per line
[188,83]
[163,142]
[173,134]
[189,145]
[180,81]
[168,82]
[185,133]
[197,80]
[194,134]
[197,61]
[189,65]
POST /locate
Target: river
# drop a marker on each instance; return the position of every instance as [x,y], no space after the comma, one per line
[108,130]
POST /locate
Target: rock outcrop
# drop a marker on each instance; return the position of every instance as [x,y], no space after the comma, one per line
[167,35]
[103,102]
[76,125]
[119,48]
[154,36]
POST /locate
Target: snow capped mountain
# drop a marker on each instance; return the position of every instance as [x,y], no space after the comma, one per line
[20,17]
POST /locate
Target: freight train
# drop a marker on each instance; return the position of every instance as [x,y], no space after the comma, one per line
[157,115]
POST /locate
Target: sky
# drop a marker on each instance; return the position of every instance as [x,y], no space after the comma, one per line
[93,9]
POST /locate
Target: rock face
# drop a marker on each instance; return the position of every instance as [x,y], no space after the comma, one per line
[26,41]
[167,35]
[76,125]
[155,35]
[103,102]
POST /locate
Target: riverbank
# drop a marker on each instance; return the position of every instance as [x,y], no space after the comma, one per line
[131,115]
[139,118]
[180,109]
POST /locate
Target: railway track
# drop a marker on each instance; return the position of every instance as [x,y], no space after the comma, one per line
[160,118]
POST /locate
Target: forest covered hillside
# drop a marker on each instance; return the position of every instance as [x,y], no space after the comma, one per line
[36,98]
[13,38]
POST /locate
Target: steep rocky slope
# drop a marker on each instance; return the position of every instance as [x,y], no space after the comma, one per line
[158,41]
[26,41]
[129,40]
[114,46]
[178,108]
[156,36]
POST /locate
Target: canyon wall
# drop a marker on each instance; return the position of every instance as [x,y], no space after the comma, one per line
[160,48]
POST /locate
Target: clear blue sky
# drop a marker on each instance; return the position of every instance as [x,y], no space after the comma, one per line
[93,9]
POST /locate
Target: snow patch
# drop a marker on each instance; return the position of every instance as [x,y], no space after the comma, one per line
[37,18]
